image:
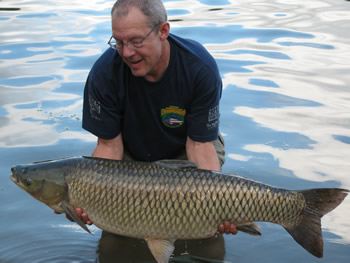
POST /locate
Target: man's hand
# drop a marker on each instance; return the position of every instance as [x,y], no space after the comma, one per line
[227,228]
[80,213]
[83,216]
[203,154]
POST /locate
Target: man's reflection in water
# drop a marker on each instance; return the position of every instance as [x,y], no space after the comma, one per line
[115,248]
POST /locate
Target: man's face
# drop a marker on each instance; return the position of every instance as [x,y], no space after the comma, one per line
[145,61]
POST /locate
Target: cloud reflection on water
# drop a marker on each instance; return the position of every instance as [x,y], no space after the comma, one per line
[42,52]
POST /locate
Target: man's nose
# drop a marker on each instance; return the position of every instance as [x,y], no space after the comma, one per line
[126,51]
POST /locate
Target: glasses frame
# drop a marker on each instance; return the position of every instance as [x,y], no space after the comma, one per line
[133,43]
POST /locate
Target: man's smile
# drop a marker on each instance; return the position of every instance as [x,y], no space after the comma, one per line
[134,64]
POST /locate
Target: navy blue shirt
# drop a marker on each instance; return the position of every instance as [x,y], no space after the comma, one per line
[155,118]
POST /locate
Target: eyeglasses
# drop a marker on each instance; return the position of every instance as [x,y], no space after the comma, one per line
[117,44]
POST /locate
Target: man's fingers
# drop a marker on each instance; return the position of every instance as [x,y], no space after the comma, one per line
[85,218]
[227,227]
[79,211]
[221,229]
[233,229]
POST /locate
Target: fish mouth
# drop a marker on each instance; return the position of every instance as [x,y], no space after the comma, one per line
[13,176]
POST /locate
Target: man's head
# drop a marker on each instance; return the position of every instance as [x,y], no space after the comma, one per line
[140,29]
[153,9]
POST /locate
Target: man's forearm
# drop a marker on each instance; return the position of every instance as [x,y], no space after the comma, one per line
[203,154]
[109,149]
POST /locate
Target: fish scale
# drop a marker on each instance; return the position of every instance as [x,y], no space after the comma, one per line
[172,199]
[198,198]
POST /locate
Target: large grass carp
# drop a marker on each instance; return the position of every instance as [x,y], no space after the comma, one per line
[172,199]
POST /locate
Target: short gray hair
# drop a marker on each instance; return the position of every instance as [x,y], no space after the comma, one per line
[153,9]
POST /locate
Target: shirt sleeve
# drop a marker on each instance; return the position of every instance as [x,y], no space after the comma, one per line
[102,107]
[203,116]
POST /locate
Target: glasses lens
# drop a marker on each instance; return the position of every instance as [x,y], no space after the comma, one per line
[137,44]
[113,43]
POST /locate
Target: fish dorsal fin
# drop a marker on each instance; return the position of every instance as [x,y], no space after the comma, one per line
[161,248]
[70,211]
[250,228]
[175,164]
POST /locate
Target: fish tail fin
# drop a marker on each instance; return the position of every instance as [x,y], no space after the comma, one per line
[318,203]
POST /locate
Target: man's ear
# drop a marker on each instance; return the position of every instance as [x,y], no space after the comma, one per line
[164,29]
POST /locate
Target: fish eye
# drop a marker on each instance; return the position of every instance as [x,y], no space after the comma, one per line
[28,182]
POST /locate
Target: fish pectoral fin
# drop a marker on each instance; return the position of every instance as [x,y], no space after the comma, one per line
[70,211]
[250,228]
[161,248]
[175,164]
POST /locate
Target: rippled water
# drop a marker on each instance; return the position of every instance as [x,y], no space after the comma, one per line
[285,114]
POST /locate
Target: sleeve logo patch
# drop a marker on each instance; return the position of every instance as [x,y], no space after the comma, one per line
[95,108]
[173,116]
[214,114]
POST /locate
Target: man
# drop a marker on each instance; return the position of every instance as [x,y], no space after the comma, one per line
[153,95]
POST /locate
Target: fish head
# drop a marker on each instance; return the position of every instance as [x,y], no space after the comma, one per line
[44,181]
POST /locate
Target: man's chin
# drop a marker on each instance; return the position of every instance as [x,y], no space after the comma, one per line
[138,73]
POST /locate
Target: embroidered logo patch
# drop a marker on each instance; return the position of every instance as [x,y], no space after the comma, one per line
[173,116]
[95,108]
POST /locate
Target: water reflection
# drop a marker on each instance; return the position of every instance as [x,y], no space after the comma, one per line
[285,107]
[41,61]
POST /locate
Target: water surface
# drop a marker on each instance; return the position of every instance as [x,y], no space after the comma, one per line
[285,115]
